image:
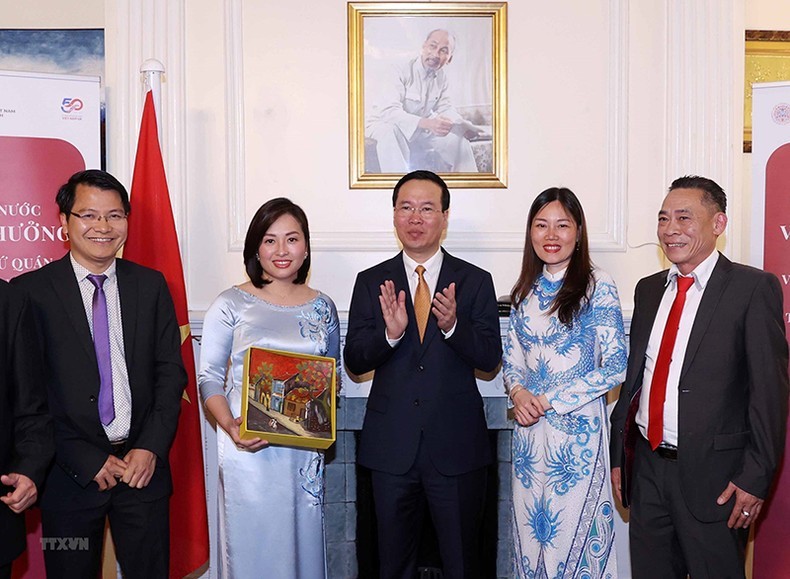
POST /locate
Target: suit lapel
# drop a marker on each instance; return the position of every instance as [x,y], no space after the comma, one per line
[396,271]
[65,286]
[128,293]
[714,289]
[651,300]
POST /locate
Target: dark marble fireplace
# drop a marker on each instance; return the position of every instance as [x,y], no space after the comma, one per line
[350,520]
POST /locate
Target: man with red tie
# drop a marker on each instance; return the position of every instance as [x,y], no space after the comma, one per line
[700,425]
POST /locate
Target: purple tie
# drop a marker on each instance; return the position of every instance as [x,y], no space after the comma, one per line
[101,343]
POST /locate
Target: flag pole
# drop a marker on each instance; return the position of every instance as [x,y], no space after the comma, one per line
[153,242]
[152,71]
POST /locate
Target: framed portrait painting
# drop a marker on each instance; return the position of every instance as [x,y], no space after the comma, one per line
[427,90]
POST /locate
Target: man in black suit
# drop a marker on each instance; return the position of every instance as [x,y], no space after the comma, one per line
[26,443]
[114,377]
[424,321]
[702,413]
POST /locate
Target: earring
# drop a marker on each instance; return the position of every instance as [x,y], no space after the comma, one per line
[305,255]
[258,257]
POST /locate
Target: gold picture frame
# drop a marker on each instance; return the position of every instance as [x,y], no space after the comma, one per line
[466,103]
[289,399]
[767,60]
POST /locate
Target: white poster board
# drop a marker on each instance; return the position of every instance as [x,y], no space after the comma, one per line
[49,129]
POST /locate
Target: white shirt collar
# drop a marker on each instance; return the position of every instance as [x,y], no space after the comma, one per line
[81,272]
[701,273]
[432,265]
[554,277]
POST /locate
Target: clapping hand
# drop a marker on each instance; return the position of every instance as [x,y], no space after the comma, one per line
[444,308]
[393,308]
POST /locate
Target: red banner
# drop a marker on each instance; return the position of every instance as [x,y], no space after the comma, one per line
[771,556]
[30,233]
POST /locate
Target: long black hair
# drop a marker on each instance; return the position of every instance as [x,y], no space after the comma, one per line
[574,293]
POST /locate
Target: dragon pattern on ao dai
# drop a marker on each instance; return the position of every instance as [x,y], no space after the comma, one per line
[563,514]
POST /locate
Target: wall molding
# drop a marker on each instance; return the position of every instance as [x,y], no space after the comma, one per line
[234,131]
[136,30]
[701,115]
[613,238]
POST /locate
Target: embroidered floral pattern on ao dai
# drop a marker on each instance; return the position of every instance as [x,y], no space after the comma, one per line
[271,502]
[563,515]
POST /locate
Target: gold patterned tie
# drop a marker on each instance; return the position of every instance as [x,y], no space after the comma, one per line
[422,302]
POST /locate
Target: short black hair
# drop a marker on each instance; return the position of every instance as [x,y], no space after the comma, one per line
[423,176]
[713,194]
[263,219]
[91,178]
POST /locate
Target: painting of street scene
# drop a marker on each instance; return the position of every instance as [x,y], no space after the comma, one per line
[290,395]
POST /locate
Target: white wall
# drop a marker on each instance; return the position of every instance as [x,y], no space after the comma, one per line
[572,122]
[767,15]
[296,114]
[295,105]
[596,103]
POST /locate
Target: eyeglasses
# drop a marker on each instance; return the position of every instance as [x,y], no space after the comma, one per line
[93,218]
[425,212]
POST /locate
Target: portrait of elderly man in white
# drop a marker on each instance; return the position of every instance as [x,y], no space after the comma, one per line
[413,122]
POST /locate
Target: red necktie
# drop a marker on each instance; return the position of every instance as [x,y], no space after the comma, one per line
[658,387]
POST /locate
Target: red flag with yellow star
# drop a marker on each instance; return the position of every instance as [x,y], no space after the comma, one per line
[153,242]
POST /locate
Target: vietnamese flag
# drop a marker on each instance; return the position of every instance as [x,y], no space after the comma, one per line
[153,242]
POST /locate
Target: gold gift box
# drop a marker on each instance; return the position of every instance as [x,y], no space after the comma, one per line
[289,399]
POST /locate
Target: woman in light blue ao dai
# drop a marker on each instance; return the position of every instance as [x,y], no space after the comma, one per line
[565,349]
[271,498]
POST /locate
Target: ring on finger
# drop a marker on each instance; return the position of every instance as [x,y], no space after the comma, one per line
[745,513]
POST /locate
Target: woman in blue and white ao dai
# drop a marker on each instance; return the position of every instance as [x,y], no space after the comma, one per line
[563,514]
[271,502]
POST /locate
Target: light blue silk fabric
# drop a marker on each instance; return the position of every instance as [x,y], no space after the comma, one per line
[271,502]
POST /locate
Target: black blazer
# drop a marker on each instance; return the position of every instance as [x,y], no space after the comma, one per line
[732,403]
[156,377]
[427,387]
[26,443]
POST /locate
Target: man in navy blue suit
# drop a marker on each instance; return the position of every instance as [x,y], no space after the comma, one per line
[424,321]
